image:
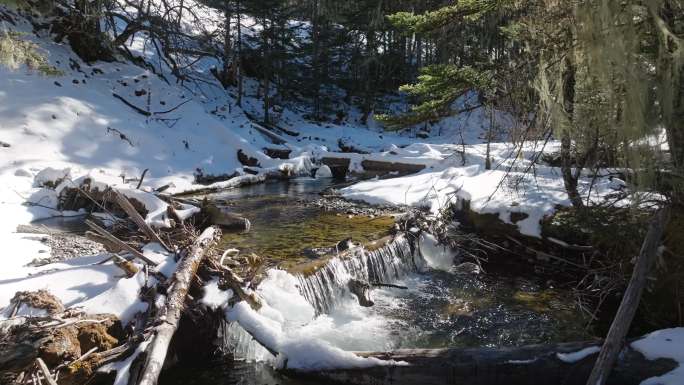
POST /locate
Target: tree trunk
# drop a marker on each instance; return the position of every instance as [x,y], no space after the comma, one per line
[239,53]
[630,301]
[569,180]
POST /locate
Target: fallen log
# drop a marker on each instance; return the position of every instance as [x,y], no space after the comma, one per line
[126,205]
[384,166]
[175,303]
[526,365]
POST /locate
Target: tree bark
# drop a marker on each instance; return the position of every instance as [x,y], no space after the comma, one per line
[568,98]
[175,303]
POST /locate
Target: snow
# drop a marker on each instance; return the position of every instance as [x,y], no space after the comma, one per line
[287,324]
[79,282]
[666,343]
[122,367]
[215,298]
[578,355]
[451,178]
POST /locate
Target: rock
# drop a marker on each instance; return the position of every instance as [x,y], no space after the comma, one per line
[344,244]
[362,292]
[51,177]
[246,159]
[22,172]
[468,268]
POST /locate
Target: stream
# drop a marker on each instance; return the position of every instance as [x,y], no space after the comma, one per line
[442,306]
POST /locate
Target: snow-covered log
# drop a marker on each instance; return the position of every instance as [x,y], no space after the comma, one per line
[566,363]
[175,303]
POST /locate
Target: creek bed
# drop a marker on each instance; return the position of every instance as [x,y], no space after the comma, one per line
[439,308]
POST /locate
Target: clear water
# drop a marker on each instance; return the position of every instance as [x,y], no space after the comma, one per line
[439,308]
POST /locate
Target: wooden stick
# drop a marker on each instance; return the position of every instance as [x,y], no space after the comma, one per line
[120,243]
[630,301]
[45,371]
[126,205]
[175,303]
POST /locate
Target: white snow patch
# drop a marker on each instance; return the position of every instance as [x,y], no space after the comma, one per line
[214,297]
[578,355]
[665,343]
[122,367]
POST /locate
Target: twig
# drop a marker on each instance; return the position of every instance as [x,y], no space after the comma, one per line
[142,177]
[134,107]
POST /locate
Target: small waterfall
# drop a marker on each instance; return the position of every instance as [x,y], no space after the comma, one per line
[324,288]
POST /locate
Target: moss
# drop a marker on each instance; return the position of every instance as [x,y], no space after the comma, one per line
[281,233]
[16,52]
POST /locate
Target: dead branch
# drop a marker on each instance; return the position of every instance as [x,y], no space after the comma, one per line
[124,246]
[126,205]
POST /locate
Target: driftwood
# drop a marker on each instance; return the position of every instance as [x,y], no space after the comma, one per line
[126,205]
[45,371]
[525,365]
[630,301]
[175,303]
[123,245]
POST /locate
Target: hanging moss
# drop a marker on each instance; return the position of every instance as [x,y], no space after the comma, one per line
[16,52]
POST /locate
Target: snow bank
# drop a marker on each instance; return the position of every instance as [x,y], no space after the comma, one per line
[455,179]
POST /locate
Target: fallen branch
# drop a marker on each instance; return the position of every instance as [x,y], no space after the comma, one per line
[175,303]
[126,205]
[124,246]
[531,364]
[133,106]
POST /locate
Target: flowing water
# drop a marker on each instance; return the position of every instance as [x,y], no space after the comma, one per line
[440,307]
